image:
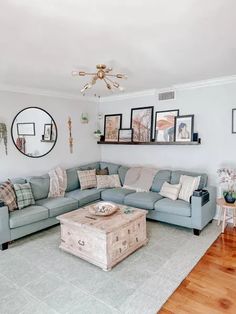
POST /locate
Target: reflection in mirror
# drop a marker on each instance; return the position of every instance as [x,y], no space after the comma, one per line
[34,132]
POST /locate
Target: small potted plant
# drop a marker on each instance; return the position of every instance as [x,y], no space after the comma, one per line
[84,118]
[97,134]
[228,176]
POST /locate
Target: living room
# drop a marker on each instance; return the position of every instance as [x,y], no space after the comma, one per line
[167,186]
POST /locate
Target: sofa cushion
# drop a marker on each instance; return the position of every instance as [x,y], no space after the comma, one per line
[145,200]
[24,195]
[116,195]
[58,205]
[39,186]
[72,179]
[87,179]
[177,207]
[90,166]
[122,173]
[8,196]
[113,168]
[160,178]
[27,216]
[175,177]
[83,197]
[108,182]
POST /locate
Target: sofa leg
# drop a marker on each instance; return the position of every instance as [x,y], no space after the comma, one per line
[196,232]
[210,221]
[4,246]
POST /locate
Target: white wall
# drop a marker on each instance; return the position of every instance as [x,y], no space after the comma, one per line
[85,149]
[212,108]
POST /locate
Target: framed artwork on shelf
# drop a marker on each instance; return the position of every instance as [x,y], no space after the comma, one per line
[112,124]
[234,121]
[26,129]
[165,125]
[48,132]
[125,135]
[141,122]
[184,128]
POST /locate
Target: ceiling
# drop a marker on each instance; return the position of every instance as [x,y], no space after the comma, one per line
[157,43]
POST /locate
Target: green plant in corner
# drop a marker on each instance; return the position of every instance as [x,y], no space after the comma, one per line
[97,134]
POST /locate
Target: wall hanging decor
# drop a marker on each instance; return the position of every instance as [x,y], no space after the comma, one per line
[112,124]
[70,135]
[3,135]
[184,128]
[234,121]
[141,123]
[165,125]
[84,117]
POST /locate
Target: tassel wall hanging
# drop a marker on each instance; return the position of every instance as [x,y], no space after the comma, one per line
[70,135]
[3,135]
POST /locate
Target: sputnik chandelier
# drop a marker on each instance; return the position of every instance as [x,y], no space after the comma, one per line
[103,73]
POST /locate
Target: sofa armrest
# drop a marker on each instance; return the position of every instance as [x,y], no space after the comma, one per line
[5,235]
[202,215]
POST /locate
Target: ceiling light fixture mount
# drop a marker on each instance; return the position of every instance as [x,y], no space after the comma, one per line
[103,73]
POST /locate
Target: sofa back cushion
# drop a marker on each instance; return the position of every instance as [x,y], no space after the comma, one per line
[122,173]
[113,168]
[72,179]
[175,177]
[90,166]
[160,178]
[39,186]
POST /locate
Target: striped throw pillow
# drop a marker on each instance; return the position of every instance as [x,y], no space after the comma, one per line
[170,191]
[87,179]
[24,195]
[188,185]
[8,196]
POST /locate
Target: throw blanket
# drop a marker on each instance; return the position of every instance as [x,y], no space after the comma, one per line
[139,178]
[58,182]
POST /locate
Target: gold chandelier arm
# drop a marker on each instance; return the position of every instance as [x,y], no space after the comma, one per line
[107,84]
[119,76]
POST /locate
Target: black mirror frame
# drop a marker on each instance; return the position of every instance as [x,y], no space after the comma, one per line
[52,121]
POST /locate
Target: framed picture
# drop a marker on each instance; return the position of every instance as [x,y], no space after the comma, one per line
[48,132]
[184,128]
[26,129]
[141,122]
[234,121]
[125,135]
[165,125]
[112,124]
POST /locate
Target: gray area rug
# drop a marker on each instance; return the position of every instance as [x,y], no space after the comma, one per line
[36,277]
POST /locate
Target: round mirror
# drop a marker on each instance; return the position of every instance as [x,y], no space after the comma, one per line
[34,132]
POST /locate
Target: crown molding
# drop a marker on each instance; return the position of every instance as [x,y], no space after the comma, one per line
[44,92]
[148,92]
[206,83]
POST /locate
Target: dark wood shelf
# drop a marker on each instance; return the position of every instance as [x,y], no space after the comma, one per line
[47,141]
[149,143]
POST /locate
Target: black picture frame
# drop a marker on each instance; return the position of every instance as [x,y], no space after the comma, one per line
[114,138]
[155,128]
[233,121]
[45,133]
[139,137]
[183,137]
[19,133]
[131,135]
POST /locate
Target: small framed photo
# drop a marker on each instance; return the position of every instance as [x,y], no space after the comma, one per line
[112,124]
[234,121]
[184,128]
[48,132]
[26,129]
[125,135]
[165,125]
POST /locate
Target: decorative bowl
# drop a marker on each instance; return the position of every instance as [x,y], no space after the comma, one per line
[103,209]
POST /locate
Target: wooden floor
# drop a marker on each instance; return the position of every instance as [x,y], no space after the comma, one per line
[211,286]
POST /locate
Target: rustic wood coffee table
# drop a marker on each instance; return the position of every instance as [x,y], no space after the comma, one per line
[103,240]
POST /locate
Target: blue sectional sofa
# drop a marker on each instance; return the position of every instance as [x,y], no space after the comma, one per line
[19,223]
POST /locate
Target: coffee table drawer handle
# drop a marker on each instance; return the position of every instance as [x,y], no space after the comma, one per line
[80,242]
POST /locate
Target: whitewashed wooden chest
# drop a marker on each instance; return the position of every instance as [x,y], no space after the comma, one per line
[103,241]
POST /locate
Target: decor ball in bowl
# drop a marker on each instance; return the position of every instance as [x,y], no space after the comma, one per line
[103,209]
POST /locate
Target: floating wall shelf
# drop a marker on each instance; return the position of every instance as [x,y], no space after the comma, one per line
[150,143]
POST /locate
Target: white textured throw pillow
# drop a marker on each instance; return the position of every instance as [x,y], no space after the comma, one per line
[188,185]
[108,181]
[170,190]
[87,179]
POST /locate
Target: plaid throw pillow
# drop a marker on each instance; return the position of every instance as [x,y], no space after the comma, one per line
[24,195]
[87,179]
[7,195]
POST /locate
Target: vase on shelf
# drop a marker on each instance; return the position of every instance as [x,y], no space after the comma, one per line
[229,197]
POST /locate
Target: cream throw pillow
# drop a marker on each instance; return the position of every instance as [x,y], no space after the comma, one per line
[188,185]
[170,191]
[108,181]
[87,179]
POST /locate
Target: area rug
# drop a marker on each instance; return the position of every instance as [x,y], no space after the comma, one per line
[37,277]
